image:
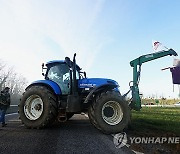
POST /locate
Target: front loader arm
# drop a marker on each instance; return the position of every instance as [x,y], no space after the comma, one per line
[136,101]
[153,56]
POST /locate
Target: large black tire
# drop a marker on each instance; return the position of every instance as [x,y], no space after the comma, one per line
[109,113]
[92,118]
[38,107]
[129,126]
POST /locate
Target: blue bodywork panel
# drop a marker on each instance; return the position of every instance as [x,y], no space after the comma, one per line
[86,83]
[49,83]
[82,83]
[94,82]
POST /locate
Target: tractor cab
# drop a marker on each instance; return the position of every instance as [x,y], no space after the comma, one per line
[70,79]
[61,73]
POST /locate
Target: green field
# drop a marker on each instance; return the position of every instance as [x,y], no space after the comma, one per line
[156,120]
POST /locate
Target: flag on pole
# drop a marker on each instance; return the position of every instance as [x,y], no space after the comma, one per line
[157,46]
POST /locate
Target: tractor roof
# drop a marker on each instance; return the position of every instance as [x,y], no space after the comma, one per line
[55,61]
[60,62]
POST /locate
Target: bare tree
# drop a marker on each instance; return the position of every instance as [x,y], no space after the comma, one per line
[3,74]
[16,83]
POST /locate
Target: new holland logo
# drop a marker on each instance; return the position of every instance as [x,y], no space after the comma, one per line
[87,85]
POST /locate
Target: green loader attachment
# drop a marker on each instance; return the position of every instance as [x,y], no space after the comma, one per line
[136,64]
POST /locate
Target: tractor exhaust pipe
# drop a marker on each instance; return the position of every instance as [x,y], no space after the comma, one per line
[74,87]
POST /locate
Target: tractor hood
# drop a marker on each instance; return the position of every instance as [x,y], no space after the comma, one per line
[94,82]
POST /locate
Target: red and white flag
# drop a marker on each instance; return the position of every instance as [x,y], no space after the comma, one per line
[156,45]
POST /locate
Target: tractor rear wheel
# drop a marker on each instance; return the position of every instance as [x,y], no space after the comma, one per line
[38,107]
[111,113]
[92,118]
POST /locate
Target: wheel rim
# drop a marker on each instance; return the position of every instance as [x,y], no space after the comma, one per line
[33,107]
[112,112]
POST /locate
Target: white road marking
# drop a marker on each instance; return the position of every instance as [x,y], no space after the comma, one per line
[15,120]
[136,152]
[11,114]
[13,105]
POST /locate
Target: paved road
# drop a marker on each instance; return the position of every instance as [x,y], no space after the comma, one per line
[75,136]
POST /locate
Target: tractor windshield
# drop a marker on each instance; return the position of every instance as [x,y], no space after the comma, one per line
[60,73]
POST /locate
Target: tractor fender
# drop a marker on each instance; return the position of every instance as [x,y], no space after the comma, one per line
[47,83]
[104,87]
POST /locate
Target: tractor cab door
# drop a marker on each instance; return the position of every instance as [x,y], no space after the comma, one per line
[60,73]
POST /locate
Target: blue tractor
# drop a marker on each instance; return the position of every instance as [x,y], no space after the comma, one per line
[67,91]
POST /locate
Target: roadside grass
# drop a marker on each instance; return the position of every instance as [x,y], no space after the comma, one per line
[156,121]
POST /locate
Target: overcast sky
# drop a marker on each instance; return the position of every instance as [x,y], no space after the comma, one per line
[106,35]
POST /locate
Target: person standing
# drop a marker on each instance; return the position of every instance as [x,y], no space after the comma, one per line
[4,104]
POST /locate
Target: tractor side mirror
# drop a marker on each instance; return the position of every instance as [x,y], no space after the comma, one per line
[43,68]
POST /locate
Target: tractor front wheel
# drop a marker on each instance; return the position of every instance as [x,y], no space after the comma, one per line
[38,107]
